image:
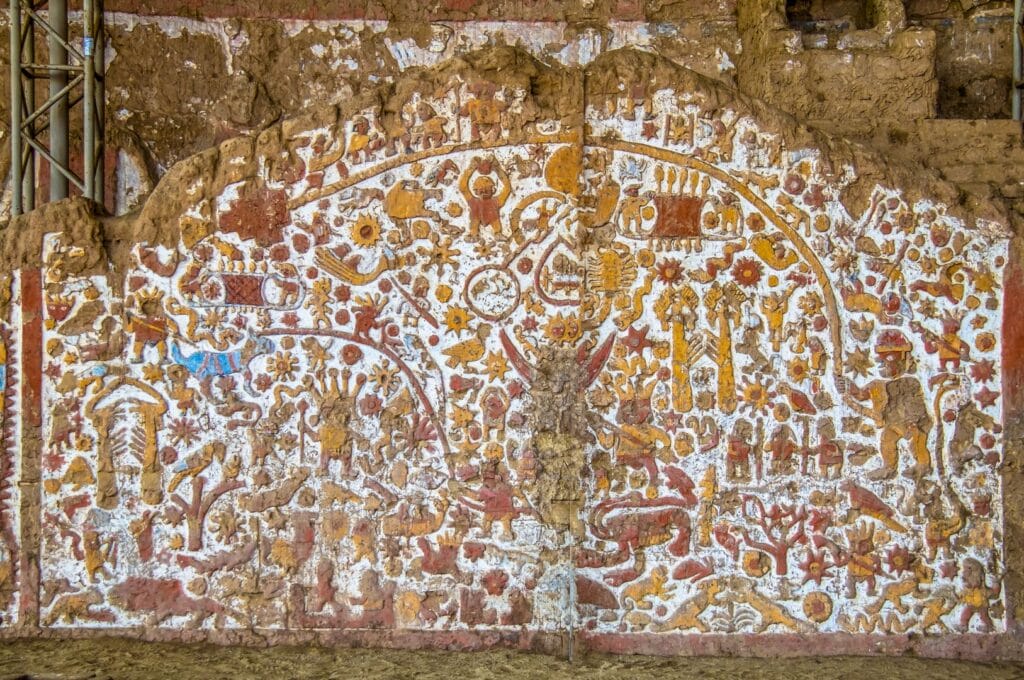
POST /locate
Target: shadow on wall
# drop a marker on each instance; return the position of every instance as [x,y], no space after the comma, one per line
[831,15]
[974,46]
[974,56]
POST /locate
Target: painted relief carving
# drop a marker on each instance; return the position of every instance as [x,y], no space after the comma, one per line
[425,377]
[9,379]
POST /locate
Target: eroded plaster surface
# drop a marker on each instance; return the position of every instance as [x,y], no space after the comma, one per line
[499,353]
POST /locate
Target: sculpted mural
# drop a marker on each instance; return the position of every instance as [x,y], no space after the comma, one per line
[413,375]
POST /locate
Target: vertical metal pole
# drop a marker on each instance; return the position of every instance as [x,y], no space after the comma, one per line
[58,19]
[29,96]
[15,75]
[1018,14]
[101,99]
[89,102]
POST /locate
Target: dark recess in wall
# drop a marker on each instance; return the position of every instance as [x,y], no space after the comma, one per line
[974,55]
[827,15]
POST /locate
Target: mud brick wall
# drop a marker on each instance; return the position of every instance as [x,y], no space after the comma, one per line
[506,352]
[186,76]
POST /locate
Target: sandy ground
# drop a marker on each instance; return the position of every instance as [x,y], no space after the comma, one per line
[73,660]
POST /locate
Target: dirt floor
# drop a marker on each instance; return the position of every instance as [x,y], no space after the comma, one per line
[72,660]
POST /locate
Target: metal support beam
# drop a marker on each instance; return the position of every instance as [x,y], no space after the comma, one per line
[1018,57]
[16,194]
[89,122]
[100,74]
[58,85]
[74,73]
[28,125]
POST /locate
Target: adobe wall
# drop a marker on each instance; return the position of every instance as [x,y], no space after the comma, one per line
[184,77]
[516,354]
[507,346]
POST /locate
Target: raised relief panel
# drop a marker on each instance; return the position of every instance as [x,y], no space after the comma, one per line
[473,366]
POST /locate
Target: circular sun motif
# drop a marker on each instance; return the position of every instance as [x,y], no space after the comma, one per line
[756,563]
[818,607]
[645,258]
[746,271]
[669,270]
[366,231]
[798,369]
[794,184]
[755,396]
[985,342]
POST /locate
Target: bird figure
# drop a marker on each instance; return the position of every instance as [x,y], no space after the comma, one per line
[798,401]
[867,503]
[461,354]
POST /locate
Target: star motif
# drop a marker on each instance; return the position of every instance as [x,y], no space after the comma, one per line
[53,371]
[440,255]
[468,448]
[984,281]
[516,389]
[672,421]
[636,340]
[53,462]
[529,324]
[650,129]
[815,566]
[497,366]
[212,318]
[986,397]
[461,417]
[457,320]
[152,373]
[983,371]
[859,362]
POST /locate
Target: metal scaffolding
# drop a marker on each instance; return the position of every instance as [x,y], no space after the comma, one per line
[1018,57]
[74,75]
